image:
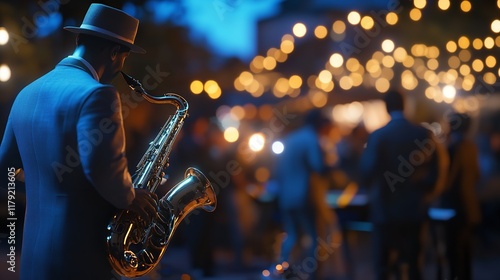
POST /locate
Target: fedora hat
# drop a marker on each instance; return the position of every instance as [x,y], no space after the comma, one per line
[111,24]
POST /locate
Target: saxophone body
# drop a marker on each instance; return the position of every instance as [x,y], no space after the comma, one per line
[136,246]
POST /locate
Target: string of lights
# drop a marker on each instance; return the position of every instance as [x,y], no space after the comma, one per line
[447,73]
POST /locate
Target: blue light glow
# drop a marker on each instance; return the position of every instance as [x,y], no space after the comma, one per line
[47,24]
[229,27]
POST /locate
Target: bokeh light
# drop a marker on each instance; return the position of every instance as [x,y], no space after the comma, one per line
[5,73]
[231,134]
[277,147]
[256,142]
[354,18]
[299,30]
[4,36]
[196,87]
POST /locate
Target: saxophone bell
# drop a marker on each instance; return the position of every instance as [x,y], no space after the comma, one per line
[134,251]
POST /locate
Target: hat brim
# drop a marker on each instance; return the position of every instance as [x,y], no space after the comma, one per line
[78,30]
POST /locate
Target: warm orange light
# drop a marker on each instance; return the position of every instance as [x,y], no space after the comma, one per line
[262,175]
[320,32]
[463,42]
[231,134]
[451,46]
[347,195]
[477,44]
[246,78]
[295,81]
[299,29]
[466,6]
[196,87]
[444,4]
[391,18]
[490,61]
[325,76]
[5,73]
[420,4]
[367,22]
[287,46]
[388,45]
[354,18]
[336,60]
[415,14]
[269,63]
[382,85]
[489,43]
[338,27]
[4,36]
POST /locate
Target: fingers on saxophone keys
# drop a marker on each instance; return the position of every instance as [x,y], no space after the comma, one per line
[154,207]
[153,203]
[154,196]
[146,216]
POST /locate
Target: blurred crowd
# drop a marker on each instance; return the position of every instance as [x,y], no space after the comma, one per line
[264,221]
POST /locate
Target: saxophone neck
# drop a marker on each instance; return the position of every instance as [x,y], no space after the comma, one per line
[168,98]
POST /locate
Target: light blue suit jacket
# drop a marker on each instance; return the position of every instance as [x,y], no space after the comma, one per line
[66,131]
[300,159]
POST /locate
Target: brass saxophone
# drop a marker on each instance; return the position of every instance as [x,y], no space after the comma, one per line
[136,246]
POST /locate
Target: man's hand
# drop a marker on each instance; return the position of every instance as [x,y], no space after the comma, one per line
[19,175]
[144,204]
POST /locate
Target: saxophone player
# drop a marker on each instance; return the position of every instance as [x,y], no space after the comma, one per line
[65,130]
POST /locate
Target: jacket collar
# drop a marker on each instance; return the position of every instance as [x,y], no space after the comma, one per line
[397,115]
[72,61]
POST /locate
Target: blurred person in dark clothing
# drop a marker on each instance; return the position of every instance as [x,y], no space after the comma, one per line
[489,186]
[460,195]
[302,156]
[349,150]
[404,167]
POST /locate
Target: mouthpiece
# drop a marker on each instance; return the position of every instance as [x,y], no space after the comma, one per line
[133,83]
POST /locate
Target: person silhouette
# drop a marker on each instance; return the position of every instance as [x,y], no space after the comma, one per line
[460,196]
[301,157]
[402,165]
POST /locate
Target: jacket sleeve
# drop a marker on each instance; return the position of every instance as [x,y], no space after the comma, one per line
[101,145]
[314,155]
